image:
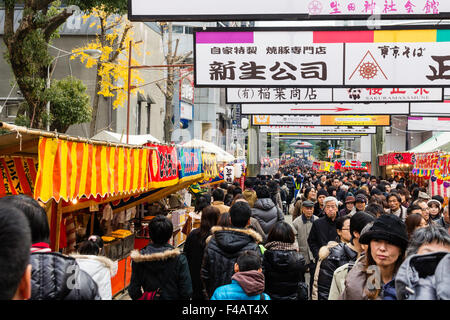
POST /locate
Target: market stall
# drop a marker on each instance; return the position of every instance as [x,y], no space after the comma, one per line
[352,165]
[97,187]
[398,164]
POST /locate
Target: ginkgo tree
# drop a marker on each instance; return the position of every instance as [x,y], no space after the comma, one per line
[27,43]
[113,40]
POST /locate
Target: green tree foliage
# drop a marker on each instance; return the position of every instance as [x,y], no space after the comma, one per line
[69,104]
[321,150]
[27,47]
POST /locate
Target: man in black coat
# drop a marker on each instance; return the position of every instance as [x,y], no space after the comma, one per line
[224,247]
[323,230]
[159,269]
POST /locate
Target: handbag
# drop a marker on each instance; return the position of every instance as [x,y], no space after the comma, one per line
[152,295]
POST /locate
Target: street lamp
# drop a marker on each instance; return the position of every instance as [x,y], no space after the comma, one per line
[94,53]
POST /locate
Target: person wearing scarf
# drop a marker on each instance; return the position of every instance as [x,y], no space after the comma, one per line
[247,283]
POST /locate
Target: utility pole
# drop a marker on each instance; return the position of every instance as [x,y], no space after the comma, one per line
[378,145]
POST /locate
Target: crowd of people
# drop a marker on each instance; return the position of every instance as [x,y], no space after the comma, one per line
[352,236]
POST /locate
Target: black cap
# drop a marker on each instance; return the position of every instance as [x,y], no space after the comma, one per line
[308,203]
[387,227]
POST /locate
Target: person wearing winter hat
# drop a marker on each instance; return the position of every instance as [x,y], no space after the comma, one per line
[319,206]
[435,209]
[360,202]
[373,277]
[247,283]
[349,207]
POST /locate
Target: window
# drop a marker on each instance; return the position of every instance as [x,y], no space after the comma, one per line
[177,29]
[188,30]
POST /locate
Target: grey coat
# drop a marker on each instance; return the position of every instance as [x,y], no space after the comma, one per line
[424,277]
[267,213]
[302,227]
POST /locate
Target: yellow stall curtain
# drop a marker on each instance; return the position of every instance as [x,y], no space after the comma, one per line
[69,170]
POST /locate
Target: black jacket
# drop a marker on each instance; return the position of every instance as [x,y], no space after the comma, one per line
[221,252]
[283,270]
[322,231]
[162,267]
[193,249]
[58,277]
[333,256]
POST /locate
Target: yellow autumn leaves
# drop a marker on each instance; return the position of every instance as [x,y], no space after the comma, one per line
[113,40]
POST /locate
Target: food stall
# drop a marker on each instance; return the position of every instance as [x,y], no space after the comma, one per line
[396,164]
[91,186]
[352,165]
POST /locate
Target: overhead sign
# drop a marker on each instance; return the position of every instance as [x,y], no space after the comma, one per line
[337,95]
[430,109]
[318,129]
[324,109]
[299,137]
[428,124]
[387,9]
[284,120]
[215,10]
[325,58]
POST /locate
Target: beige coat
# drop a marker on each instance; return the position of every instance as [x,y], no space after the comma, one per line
[221,206]
[338,283]
[301,231]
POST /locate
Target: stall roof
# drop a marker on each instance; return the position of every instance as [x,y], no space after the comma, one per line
[438,142]
[24,141]
[118,138]
[221,155]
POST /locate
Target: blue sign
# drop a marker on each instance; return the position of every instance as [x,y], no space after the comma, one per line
[190,163]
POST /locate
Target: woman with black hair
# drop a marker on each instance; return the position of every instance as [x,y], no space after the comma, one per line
[373,277]
[90,259]
[284,266]
[195,246]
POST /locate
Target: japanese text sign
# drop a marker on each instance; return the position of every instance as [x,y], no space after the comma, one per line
[163,166]
[237,10]
[319,129]
[267,120]
[325,58]
[338,95]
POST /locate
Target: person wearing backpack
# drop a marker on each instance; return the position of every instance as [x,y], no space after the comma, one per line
[248,281]
[284,266]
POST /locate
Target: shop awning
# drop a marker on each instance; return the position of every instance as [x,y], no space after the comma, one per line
[119,138]
[438,142]
[221,155]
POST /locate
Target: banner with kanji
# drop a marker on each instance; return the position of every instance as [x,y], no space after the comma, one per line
[17,175]
[209,166]
[397,158]
[163,166]
[70,170]
[190,163]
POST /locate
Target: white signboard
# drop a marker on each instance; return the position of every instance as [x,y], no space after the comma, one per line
[279,95]
[331,109]
[354,8]
[301,137]
[323,129]
[324,58]
[383,95]
[228,174]
[430,109]
[428,124]
[186,111]
[290,120]
[207,10]
[337,95]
